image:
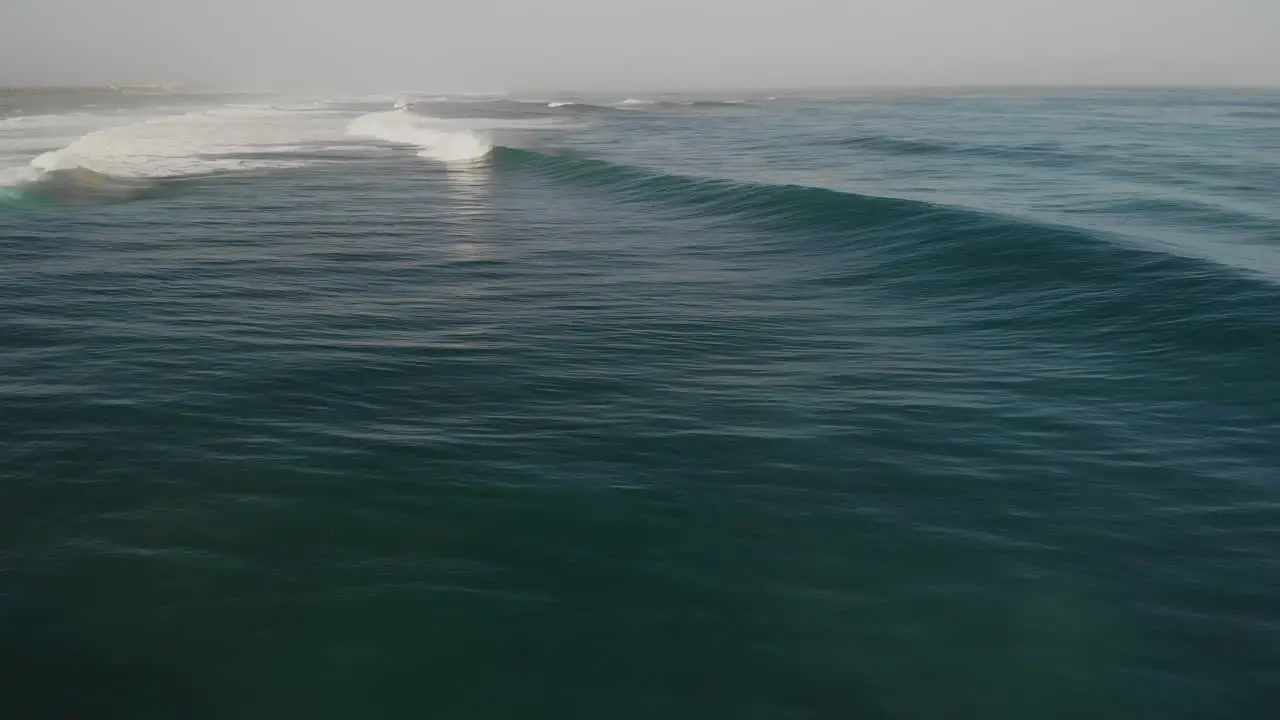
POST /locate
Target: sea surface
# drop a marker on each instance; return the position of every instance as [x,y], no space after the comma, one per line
[884,404]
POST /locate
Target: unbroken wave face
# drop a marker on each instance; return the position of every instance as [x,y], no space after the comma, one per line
[81,186]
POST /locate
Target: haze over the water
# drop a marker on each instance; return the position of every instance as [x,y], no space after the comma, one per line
[496,44]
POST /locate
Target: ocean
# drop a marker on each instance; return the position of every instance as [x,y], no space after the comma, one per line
[804,405]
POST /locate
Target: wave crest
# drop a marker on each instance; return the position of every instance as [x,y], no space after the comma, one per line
[433,138]
[195,143]
[1070,277]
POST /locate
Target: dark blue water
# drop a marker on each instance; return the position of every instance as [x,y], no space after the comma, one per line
[886,406]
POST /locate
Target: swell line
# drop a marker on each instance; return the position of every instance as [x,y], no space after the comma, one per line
[1007,270]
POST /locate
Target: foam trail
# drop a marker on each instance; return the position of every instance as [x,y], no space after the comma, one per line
[195,143]
[433,138]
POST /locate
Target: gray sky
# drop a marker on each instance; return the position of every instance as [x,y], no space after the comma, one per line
[614,44]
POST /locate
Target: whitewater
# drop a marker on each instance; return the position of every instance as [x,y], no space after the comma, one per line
[163,143]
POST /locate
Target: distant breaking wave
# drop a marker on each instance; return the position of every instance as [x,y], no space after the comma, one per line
[579,106]
[637,104]
[448,140]
[184,145]
[115,157]
[434,140]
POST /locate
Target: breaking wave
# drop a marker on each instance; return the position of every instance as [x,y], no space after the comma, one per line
[448,140]
[191,144]
[434,138]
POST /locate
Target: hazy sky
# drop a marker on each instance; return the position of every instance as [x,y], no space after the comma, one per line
[604,44]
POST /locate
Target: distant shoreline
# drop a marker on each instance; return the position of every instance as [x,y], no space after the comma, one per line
[63,90]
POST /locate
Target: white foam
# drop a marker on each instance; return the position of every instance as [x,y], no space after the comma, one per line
[195,143]
[632,102]
[435,138]
[151,143]
[558,104]
[14,176]
[25,137]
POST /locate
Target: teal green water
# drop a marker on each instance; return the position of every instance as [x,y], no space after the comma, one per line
[888,406]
